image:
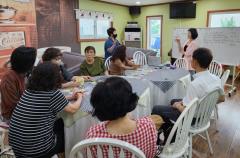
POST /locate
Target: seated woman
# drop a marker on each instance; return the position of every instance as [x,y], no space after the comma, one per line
[34,131]
[113,107]
[54,55]
[119,62]
[92,66]
[13,81]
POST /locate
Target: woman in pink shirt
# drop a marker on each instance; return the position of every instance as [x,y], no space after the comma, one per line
[111,101]
[189,47]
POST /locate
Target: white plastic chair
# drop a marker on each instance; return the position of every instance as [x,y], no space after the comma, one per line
[185,81]
[6,150]
[215,68]
[84,147]
[107,62]
[180,63]
[223,81]
[139,58]
[180,147]
[224,77]
[203,115]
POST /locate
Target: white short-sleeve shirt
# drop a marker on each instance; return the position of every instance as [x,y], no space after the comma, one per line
[204,82]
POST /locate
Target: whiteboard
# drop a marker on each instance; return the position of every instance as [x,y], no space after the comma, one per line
[223,42]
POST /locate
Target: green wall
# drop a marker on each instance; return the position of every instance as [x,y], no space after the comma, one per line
[120,18]
[203,6]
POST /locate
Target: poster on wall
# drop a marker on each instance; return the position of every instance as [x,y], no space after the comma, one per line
[17,12]
[17,26]
[10,40]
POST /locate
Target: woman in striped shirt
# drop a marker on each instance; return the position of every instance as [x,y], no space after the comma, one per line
[34,131]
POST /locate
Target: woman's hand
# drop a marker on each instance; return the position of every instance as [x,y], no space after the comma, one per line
[73,95]
[76,94]
[87,78]
[115,42]
[72,84]
[138,66]
[74,106]
[177,39]
[135,67]
[79,95]
[74,78]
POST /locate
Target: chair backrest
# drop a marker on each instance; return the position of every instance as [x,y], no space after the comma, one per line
[139,58]
[180,63]
[185,81]
[205,109]
[225,77]
[215,68]
[107,62]
[3,133]
[86,146]
[181,128]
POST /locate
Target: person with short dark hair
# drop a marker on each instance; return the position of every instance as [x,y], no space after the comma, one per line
[92,65]
[113,107]
[34,131]
[111,43]
[204,82]
[13,81]
[120,63]
[189,46]
[55,56]
[203,59]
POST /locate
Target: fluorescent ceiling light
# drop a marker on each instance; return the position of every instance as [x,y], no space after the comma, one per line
[138,3]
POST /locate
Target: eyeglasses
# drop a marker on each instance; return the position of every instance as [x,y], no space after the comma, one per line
[58,58]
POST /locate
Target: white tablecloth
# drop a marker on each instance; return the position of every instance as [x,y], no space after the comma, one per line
[79,123]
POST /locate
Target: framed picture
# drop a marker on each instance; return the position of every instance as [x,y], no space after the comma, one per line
[12,37]
[11,40]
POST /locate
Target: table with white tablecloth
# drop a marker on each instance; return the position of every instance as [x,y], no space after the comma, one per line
[153,86]
[165,84]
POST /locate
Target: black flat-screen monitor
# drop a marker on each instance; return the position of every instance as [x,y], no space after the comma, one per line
[182,10]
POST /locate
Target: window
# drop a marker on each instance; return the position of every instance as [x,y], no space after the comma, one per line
[93,25]
[154,31]
[93,28]
[227,18]
[87,28]
[101,28]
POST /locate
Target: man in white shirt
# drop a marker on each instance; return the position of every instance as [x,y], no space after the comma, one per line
[203,83]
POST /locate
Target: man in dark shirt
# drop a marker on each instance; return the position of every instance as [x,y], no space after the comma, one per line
[111,43]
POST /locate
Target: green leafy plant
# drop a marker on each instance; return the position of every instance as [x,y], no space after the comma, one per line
[155,27]
[228,22]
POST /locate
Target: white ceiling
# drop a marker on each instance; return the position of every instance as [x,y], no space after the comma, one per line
[142,2]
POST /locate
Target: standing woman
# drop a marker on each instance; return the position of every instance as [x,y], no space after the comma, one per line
[189,47]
